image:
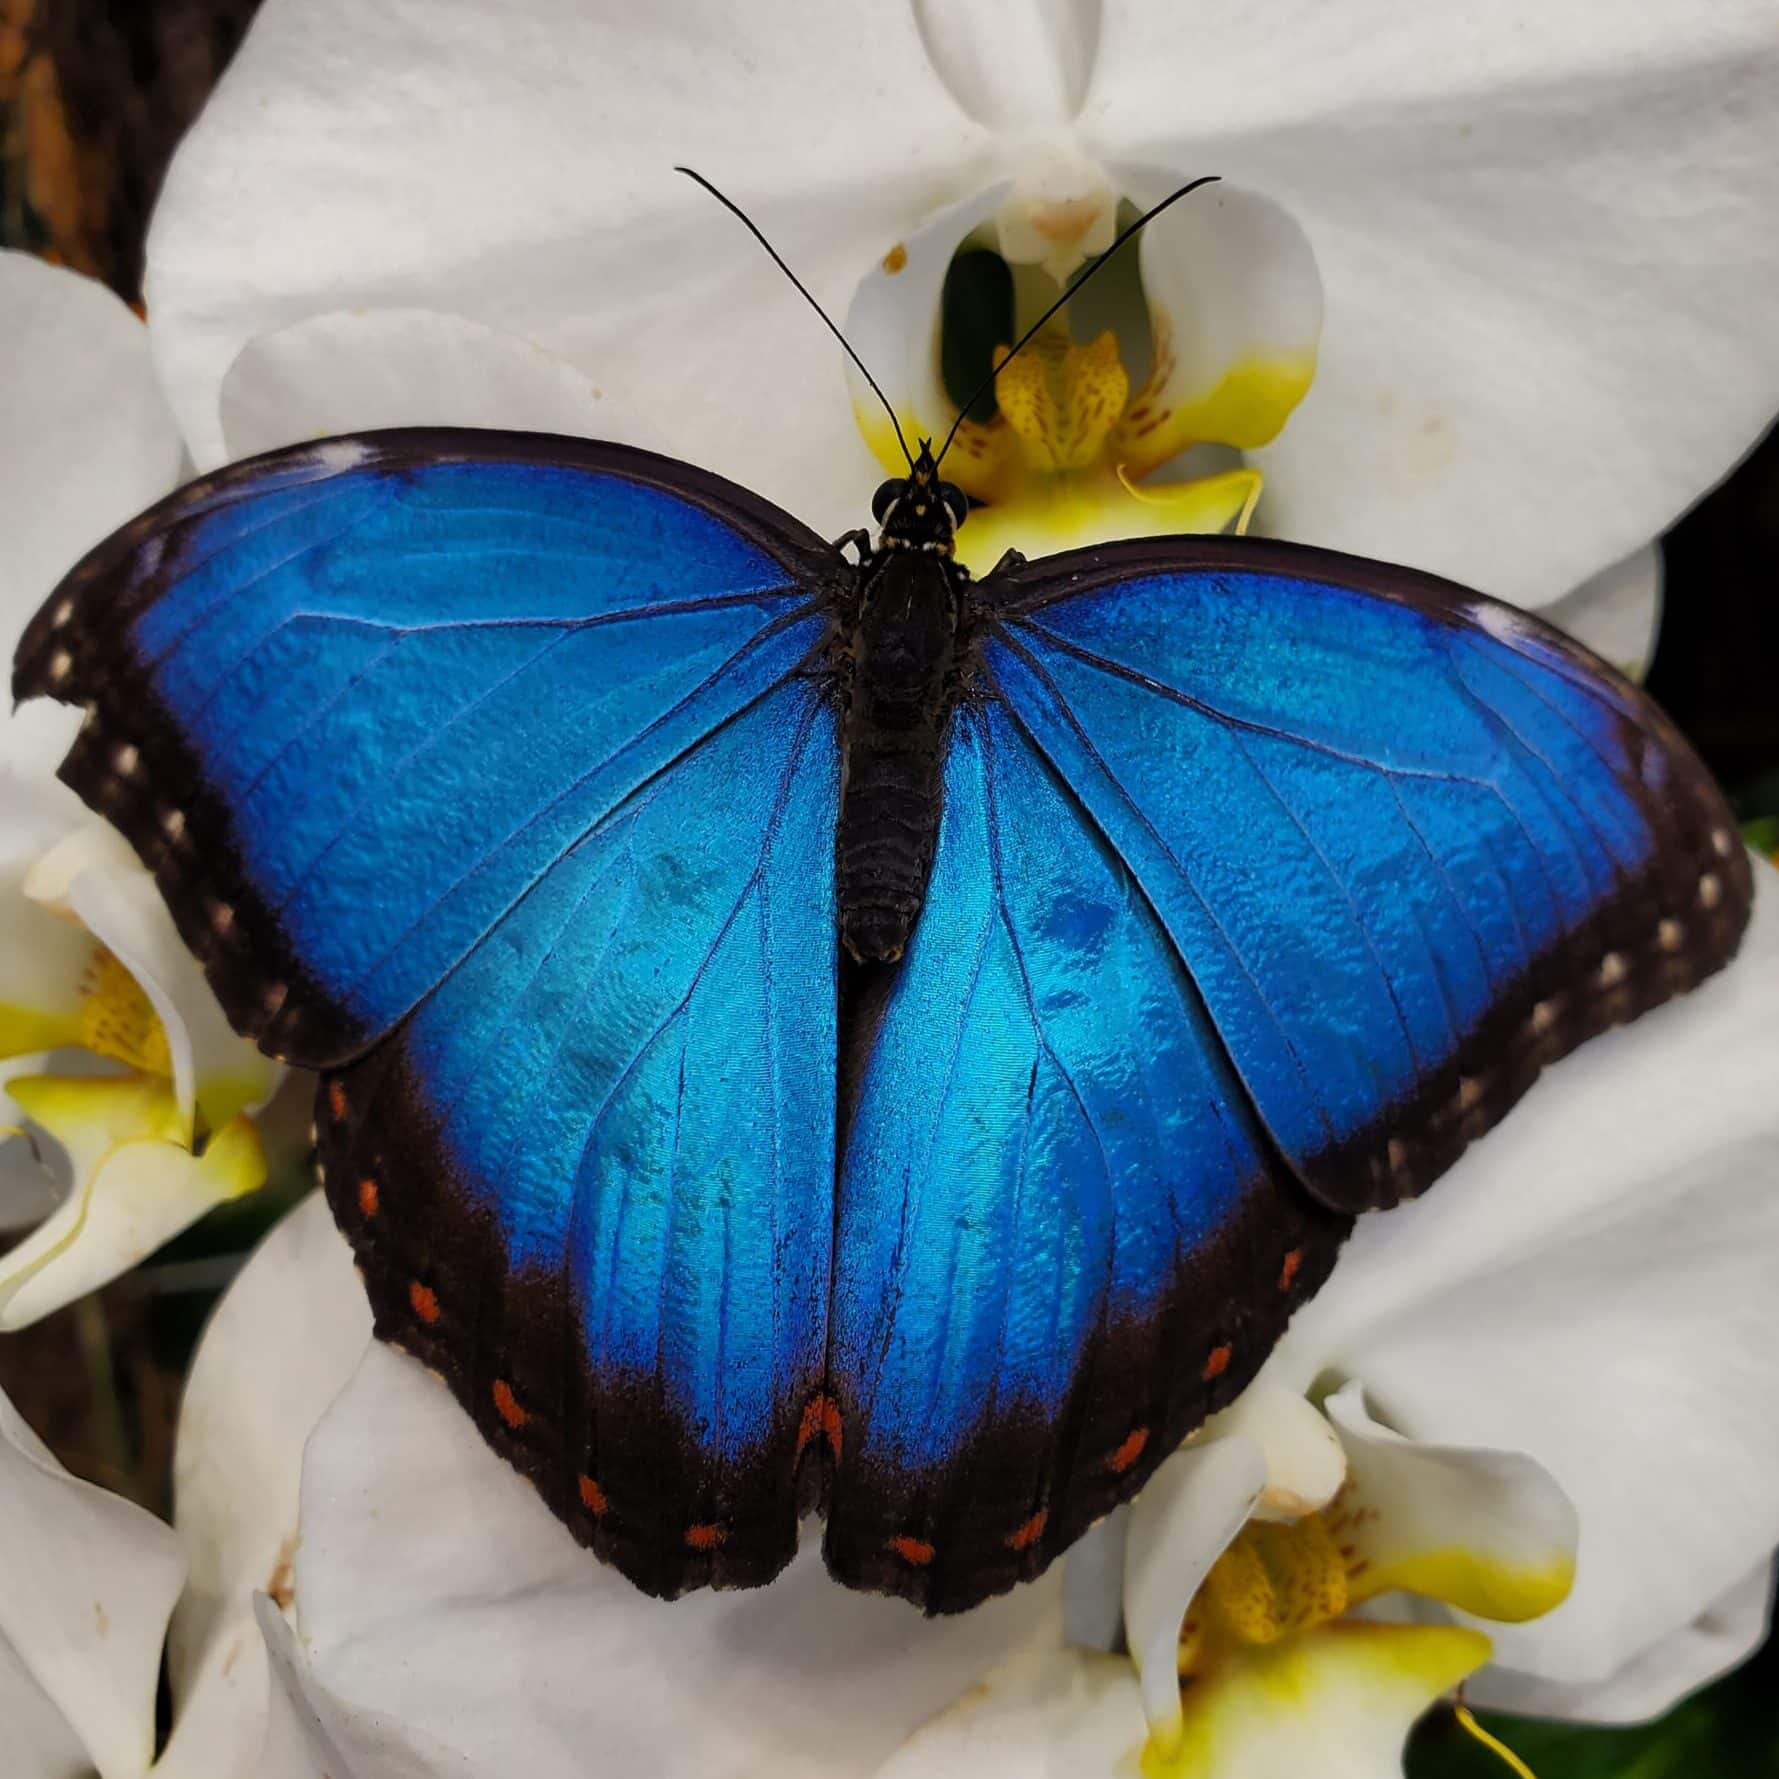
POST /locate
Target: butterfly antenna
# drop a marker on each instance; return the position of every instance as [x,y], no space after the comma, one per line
[1025,338]
[748,223]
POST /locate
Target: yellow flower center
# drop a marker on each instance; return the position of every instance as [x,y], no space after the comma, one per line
[1272,1582]
[1062,400]
[118,1020]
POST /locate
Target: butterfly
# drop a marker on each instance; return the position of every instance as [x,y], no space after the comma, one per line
[801,1032]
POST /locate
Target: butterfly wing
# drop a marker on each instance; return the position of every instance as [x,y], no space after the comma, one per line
[349,700]
[1267,880]
[497,777]
[1411,844]
[1064,1239]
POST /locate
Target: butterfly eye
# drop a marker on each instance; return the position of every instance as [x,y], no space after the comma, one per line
[888,493]
[956,500]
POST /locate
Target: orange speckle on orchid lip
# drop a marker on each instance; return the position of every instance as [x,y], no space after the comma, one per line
[424,1301]
[593,1497]
[507,1406]
[1128,1453]
[1027,1532]
[1217,1363]
[367,1196]
[1288,1271]
[895,259]
[705,1536]
[911,1550]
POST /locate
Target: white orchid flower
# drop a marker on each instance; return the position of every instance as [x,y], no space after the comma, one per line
[1518,260]
[1547,1381]
[148,1095]
[1526,1422]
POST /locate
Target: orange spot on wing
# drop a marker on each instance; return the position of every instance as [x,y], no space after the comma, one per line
[506,1404]
[367,1196]
[1217,1363]
[705,1536]
[425,1301]
[1288,1271]
[822,1415]
[1128,1453]
[911,1550]
[593,1496]
[1027,1532]
[336,1100]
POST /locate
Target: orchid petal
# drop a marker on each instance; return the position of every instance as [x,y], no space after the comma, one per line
[95,877]
[299,1741]
[44,955]
[1489,1532]
[892,323]
[1182,1519]
[90,1580]
[1338,1702]
[1720,1639]
[39,1742]
[136,1185]
[1236,310]
[1305,1464]
[296,1313]
[439,1598]
[1537,242]
[1591,1285]
[1020,66]
[88,439]
[1045,1710]
[1617,612]
[382,156]
[357,370]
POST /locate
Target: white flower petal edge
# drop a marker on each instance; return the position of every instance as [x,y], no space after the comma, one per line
[438,1601]
[280,1347]
[1488,1531]
[1179,1525]
[1046,1711]
[1537,230]
[90,1580]
[88,440]
[1618,612]
[1718,1640]
[1591,1286]
[358,370]
[402,155]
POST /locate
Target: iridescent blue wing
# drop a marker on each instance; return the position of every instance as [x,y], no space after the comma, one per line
[497,776]
[1064,1238]
[1267,880]
[1412,844]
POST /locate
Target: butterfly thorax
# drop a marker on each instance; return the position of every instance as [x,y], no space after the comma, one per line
[902,650]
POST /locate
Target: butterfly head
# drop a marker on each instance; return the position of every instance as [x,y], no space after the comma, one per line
[918,511]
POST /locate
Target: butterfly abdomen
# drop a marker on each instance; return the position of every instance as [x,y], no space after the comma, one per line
[903,652]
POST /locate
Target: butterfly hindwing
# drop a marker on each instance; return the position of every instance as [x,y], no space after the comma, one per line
[590,1179]
[497,776]
[1064,1238]
[1410,844]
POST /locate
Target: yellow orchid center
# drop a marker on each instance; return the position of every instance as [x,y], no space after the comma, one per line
[118,1020]
[1273,1581]
[1062,399]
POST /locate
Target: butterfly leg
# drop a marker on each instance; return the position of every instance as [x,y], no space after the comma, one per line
[1009,559]
[860,541]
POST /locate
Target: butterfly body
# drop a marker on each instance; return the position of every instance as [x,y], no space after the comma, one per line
[802,1034]
[901,647]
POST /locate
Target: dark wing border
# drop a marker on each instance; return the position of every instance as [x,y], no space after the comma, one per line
[130,762]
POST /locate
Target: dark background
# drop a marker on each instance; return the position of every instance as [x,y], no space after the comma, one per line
[94,95]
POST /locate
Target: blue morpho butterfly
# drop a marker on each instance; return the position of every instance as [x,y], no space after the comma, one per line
[802,1033]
